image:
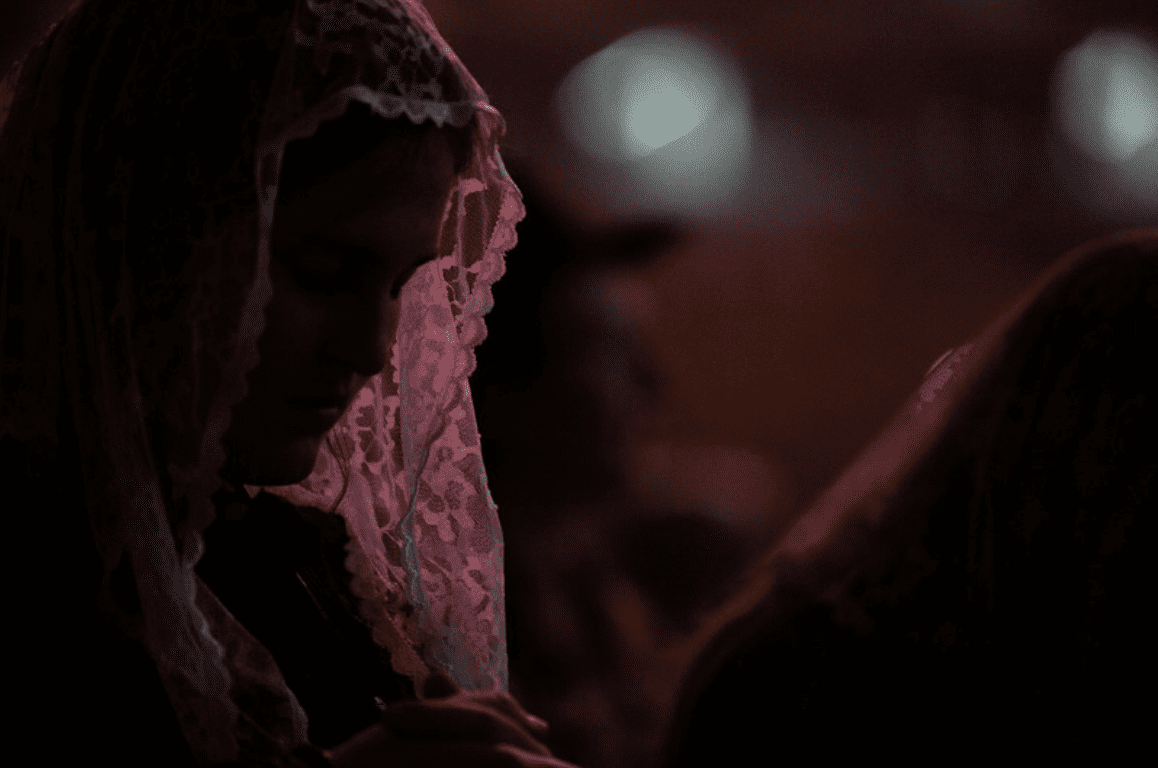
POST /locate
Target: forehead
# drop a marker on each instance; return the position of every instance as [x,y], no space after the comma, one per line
[397,185]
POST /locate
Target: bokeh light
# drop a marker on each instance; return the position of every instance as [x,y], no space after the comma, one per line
[1109,95]
[663,118]
[1106,107]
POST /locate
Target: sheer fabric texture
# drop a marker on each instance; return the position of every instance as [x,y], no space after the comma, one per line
[139,166]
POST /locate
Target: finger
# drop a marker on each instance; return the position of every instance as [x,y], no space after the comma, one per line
[509,706]
[439,686]
[473,755]
[528,760]
[538,725]
[432,754]
[458,721]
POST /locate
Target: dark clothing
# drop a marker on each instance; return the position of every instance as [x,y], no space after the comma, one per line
[279,569]
[87,692]
[83,692]
[1002,603]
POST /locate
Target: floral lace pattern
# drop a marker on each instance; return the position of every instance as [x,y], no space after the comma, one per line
[403,467]
[400,65]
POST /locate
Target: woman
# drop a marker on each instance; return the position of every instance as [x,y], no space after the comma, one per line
[975,582]
[247,250]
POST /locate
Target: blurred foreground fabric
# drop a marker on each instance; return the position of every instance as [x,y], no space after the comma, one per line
[979,580]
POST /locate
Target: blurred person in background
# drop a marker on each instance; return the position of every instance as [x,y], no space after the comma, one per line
[604,578]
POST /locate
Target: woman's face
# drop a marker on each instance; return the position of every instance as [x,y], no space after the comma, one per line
[341,253]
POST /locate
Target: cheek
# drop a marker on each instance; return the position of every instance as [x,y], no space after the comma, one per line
[294,328]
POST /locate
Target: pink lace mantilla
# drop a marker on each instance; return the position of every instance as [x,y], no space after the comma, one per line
[403,467]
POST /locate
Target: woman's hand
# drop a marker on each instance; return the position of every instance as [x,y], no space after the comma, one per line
[451,727]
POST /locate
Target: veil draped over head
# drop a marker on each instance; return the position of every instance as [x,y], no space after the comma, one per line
[139,166]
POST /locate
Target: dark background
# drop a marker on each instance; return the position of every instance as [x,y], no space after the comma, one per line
[813,319]
[800,330]
[887,226]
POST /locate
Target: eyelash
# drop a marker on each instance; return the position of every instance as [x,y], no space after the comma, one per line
[325,281]
[328,281]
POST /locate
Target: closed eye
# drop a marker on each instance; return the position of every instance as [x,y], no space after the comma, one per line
[331,268]
[324,271]
[320,262]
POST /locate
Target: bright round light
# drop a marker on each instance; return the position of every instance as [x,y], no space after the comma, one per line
[1107,95]
[666,111]
[661,106]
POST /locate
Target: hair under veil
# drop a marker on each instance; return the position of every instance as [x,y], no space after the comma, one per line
[139,168]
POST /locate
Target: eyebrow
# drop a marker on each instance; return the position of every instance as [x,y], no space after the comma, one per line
[367,253]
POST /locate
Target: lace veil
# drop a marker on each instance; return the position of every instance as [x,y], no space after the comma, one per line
[139,167]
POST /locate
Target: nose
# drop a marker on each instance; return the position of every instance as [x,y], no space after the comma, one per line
[363,333]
